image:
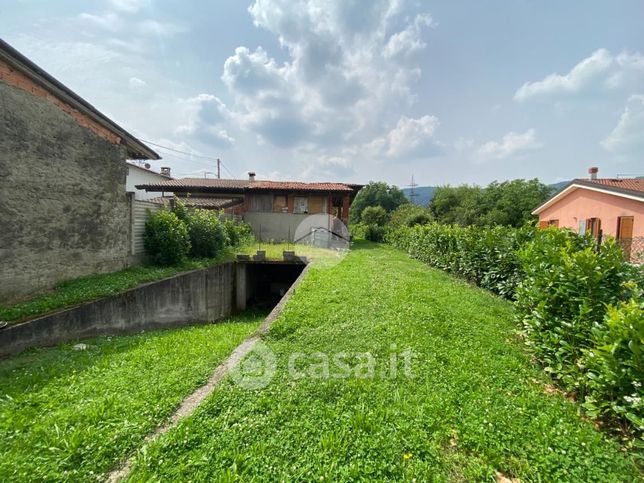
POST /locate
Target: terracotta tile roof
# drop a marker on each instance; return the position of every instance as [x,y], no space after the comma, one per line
[631,184]
[216,203]
[298,186]
[238,185]
[198,183]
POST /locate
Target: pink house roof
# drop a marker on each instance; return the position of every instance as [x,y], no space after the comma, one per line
[631,188]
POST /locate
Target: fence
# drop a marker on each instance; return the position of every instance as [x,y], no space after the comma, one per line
[139,217]
[633,249]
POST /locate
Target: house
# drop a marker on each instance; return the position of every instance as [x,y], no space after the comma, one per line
[274,209]
[142,174]
[64,211]
[600,206]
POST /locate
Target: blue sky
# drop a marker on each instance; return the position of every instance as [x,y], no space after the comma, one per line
[356,90]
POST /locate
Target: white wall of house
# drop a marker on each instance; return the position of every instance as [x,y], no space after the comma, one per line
[139,175]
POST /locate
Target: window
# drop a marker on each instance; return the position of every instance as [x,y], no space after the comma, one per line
[582,227]
[279,204]
[301,205]
[317,204]
[593,226]
[553,222]
[624,227]
[261,203]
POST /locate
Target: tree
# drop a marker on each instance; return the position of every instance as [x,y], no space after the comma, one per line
[374,215]
[377,194]
[410,214]
[460,205]
[509,203]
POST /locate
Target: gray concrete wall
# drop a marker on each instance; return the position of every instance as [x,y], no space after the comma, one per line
[63,207]
[197,296]
[274,226]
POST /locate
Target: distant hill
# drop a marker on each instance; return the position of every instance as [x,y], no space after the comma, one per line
[424,194]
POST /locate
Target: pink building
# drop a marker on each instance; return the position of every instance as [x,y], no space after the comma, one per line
[608,206]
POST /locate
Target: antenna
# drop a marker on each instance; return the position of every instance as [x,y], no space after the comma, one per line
[412,190]
[218,168]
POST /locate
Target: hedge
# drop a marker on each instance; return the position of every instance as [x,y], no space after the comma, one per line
[580,309]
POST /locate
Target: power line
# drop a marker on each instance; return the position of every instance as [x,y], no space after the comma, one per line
[412,192]
[189,154]
[179,151]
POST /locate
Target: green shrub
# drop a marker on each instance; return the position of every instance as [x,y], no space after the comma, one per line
[374,215]
[166,238]
[615,364]
[484,256]
[239,233]
[374,233]
[208,236]
[564,292]
[581,309]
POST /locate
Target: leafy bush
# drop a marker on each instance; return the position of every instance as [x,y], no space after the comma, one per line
[374,215]
[564,292]
[239,233]
[207,233]
[581,309]
[166,238]
[374,233]
[615,364]
[484,256]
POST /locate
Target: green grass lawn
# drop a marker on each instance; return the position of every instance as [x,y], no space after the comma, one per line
[72,415]
[84,289]
[476,405]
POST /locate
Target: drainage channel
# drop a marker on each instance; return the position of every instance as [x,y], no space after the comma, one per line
[259,283]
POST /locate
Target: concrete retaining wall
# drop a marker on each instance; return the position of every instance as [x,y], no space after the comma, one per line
[197,296]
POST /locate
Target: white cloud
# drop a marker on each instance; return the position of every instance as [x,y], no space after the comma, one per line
[410,138]
[512,144]
[408,41]
[628,136]
[129,6]
[161,29]
[108,21]
[601,70]
[136,83]
[348,73]
[203,117]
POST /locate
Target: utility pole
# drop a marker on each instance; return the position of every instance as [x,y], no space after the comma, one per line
[412,191]
[218,168]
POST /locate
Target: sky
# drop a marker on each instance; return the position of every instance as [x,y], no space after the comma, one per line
[356,90]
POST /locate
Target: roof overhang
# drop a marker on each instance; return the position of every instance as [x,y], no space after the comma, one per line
[135,148]
[575,185]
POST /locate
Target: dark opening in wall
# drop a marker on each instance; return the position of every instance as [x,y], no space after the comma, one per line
[266,283]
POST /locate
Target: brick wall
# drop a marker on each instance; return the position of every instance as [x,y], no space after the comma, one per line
[63,208]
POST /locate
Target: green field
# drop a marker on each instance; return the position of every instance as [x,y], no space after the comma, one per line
[472,407]
[73,415]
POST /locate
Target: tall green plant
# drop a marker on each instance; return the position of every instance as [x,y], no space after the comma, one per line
[166,238]
[208,236]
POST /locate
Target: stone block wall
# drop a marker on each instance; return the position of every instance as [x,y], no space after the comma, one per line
[64,212]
